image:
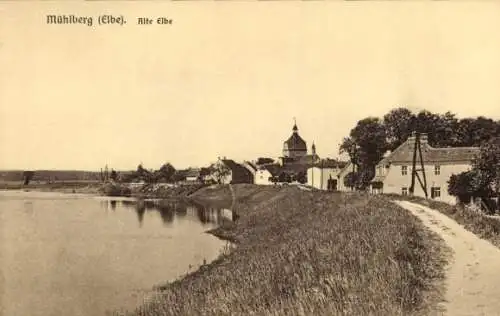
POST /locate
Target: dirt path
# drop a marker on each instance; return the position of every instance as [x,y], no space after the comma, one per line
[473,275]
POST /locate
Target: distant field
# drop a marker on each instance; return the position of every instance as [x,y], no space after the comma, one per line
[43,185]
[312,253]
[52,175]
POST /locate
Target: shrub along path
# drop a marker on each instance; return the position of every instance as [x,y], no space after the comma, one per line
[473,276]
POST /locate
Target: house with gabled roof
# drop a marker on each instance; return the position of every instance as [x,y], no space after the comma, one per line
[266,173]
[251,166]
[193,174]
[237,173]
[393,172]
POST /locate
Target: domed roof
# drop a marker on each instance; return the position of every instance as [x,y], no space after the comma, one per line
[295,142]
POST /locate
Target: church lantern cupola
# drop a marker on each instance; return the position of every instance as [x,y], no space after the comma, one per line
[294,146]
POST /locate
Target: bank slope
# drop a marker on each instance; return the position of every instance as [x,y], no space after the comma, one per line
[314,253]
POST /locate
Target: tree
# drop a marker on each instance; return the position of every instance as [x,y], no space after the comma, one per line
[398,126]
[488,162]
[28,176]
[302,177]
[475,132]
[165,173]
[114,175]
[467,185]
[483,179]
[220,172]
[284,177]
[444,133]
[370,140]
[143,174]
[346,147]
[351,179]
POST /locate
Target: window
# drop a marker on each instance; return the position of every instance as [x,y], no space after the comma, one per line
[404,191]
[404,170]
[437,170]
[435,192]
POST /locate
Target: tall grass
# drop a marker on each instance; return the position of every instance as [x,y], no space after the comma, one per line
[314,253]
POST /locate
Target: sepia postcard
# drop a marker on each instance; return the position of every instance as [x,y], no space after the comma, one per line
[249,158]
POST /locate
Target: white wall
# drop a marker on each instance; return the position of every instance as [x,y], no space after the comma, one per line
[318,178]
[262,177]
[395,180]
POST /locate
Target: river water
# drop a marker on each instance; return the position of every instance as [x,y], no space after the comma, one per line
[76,255]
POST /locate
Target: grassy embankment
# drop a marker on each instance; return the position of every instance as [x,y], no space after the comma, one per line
[160,192]
[312,253]
[482,225]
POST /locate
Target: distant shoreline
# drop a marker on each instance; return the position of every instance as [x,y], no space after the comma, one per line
[117,190]
[62,187]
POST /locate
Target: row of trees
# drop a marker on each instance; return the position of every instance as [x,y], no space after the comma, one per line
[166,173]
[373,136]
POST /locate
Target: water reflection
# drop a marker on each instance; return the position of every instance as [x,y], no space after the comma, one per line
[169,211]
[89,255]
[28,207]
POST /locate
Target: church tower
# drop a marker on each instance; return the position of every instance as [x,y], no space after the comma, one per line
[294,147]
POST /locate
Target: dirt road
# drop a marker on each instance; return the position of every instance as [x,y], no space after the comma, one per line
[473,275]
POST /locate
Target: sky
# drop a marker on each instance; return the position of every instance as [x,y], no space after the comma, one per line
[228,78]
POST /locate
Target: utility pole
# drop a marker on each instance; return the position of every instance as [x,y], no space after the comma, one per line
[312,174]
[106,174]
[414,170]
[353,161]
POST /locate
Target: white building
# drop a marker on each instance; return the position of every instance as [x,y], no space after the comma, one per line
[265,173]
[193,175]
[324,175]
[393,173]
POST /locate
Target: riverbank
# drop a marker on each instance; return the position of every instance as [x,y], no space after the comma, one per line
[146,191]
[312,253]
